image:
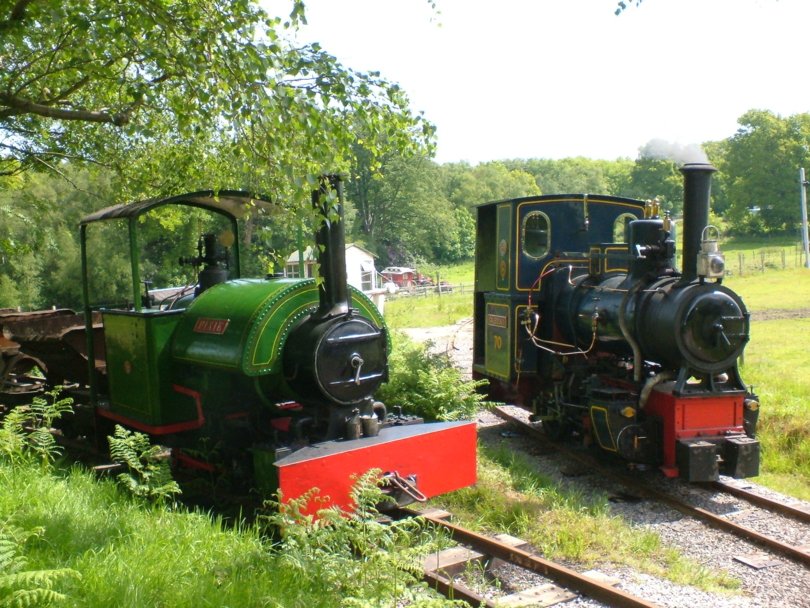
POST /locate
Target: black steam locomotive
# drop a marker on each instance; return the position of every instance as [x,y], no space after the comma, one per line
[582,316]
[270,380]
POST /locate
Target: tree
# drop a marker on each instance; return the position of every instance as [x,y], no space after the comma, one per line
[622,5]
[117,82]
[576,174]
[656,178]
[761,167]
[467,186]
[403,215]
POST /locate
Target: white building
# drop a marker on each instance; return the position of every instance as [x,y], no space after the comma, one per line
[360,270]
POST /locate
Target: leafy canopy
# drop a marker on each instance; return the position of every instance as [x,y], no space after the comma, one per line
[218,82]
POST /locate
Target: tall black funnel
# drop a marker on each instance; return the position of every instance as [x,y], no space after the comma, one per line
[331,242]
[697,188]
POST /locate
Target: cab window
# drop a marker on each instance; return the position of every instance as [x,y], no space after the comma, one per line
[621,228]
[535,234]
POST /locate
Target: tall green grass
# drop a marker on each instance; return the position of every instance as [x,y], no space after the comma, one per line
[128,553]
[432,310]
[777,365]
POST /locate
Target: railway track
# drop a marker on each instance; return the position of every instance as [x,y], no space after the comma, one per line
[800,554]
[509,551]
[765,502]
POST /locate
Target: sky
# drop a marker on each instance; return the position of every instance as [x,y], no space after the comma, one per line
[507,79]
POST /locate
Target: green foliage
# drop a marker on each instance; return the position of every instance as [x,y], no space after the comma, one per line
[23,588]
[25,435]
[467,186]
[135,555]
[622,6]
[427,384]
[761,164]
[392,206]
[658,178]
[148,473]
[173,94]
[569,175]
[19,586]
[353,556]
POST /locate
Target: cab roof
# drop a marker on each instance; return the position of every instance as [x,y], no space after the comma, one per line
[233,203]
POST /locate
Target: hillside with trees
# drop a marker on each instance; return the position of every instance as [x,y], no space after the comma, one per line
[404,207]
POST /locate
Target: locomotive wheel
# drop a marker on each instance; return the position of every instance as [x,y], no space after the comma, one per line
[16,382]
[556,430]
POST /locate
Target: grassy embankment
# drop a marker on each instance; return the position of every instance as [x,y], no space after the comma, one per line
[432,309]
[67,532]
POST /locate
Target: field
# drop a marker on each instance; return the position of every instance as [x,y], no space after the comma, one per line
[776,361]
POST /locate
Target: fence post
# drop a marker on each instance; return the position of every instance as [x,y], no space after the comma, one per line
[741,257]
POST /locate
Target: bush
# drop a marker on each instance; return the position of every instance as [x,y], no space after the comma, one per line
[26,432]
[427,384]
[148,474]
[352,556]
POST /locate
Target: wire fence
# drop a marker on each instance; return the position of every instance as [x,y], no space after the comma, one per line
[761,260]
[423,291]
[738,263]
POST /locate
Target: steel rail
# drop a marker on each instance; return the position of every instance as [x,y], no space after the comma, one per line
[569,578]
[717,521]
[763,501]
[454,591]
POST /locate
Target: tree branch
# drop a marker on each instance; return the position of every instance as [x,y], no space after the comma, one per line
[18,105]
[17,14]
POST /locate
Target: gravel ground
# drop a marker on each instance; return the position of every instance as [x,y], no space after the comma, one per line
[784,583]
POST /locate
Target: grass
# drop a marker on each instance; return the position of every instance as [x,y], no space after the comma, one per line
[455,274]
[562,524]
[130,554]
[431,310]
[778,367]
[738,244]
[773,290]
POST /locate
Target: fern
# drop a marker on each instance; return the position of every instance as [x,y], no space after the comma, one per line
[26,431]
[427,384]
[148,474]
[356,558]
[20,588]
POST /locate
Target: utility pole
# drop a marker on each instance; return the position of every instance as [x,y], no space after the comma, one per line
[803,183]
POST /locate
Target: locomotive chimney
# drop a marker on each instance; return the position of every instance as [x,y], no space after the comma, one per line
[697,187]
[331,242]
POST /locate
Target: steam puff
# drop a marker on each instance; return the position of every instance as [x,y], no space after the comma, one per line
[669,150]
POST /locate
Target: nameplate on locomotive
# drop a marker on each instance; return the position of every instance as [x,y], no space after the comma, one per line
[204,325]
[496,320]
